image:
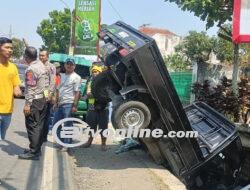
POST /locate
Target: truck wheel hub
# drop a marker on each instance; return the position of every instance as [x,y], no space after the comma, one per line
[132,118]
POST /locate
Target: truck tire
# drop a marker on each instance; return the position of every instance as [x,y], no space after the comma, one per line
[114,124]
[131,114]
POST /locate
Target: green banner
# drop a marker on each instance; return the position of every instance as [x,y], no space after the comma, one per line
[87,21]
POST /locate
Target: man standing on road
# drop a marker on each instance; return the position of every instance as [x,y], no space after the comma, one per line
[68,94]
[50,84]
[9,85]
[98,112]
[35,103]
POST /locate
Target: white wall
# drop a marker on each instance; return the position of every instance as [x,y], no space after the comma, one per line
[166,44]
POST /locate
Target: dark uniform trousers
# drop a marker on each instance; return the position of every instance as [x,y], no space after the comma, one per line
[98,118]
[35,123]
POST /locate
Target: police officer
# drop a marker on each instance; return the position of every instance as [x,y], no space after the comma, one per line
[50,87]
[35,103]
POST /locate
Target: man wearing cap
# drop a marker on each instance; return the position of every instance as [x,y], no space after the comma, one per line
[35,103]
[98,113]
[50,87]
[9,85]
[68,94]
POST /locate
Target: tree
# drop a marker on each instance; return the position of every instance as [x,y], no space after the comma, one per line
[177,62]
[211,11]
[215,11]
[197,47]
[226,34]
[227,52]
[18,48]
[55,31]
[224,51]
[245,57]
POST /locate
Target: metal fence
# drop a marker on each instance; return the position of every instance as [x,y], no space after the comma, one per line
[182,82]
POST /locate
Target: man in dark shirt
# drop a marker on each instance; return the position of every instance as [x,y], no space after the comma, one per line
[98,112]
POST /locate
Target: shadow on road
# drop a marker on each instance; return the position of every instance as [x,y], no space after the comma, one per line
[5,185]
[11,149]
[35,175]
[22,134]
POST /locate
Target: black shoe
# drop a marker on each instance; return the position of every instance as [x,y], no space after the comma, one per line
[70,151]
[29,156]
[28,150]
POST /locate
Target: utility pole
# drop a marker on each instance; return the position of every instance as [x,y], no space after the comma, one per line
[235,70]
[235,63]
[9,35]
[25,43]
[10,32]
[71,48]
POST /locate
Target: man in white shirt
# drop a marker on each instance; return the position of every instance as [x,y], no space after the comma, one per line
[68,94]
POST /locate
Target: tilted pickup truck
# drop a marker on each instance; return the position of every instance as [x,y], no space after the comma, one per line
[138,84]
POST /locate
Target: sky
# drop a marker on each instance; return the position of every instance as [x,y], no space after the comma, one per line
[23,16]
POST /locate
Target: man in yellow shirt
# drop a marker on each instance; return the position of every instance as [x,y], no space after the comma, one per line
[9,85]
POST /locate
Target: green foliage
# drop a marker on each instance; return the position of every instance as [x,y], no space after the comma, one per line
[224,50]
[222,98]
[18,48]
[55,31]
[176,62]
[245,55]
[211,11]
[223,47]
[197,47]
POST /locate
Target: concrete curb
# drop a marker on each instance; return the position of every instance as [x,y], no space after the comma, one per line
[70,183]
[162,173]
[57,170]
[47,176]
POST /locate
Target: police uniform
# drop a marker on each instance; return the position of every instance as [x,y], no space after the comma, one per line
[35,79]
[50,87]
[50,80]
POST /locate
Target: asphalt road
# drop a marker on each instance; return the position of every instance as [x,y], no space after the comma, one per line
[15,173]
[51,172]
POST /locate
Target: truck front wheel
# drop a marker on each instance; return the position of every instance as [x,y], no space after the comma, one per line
[131,114]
